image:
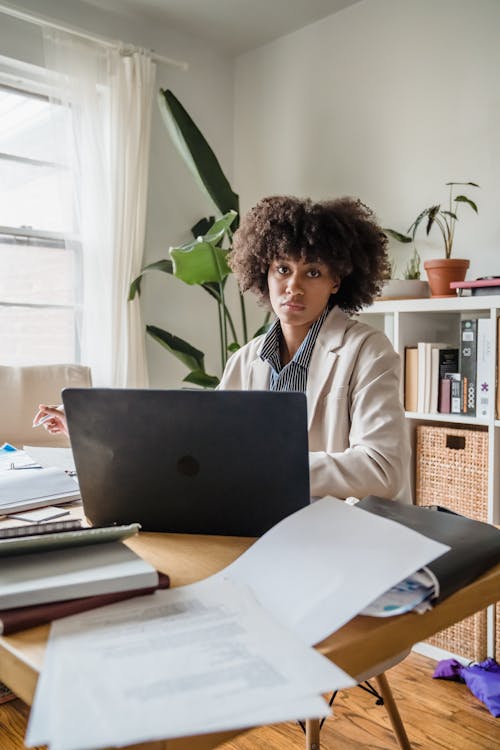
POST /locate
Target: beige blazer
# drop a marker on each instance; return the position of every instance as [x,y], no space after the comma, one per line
[358,440]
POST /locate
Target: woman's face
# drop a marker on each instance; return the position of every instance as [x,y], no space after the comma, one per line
[299,290]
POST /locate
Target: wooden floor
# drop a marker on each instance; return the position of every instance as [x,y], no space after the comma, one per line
[438,715]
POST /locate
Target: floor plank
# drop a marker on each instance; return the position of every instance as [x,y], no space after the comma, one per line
[438,715]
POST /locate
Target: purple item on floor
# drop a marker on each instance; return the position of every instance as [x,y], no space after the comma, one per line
[483,680]
[448,669]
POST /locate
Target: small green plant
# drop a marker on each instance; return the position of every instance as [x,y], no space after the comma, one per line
[444,218]
[412,270]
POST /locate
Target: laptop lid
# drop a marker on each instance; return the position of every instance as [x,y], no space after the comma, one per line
[205,462]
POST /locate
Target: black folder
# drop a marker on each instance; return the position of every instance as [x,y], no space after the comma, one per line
[475,546]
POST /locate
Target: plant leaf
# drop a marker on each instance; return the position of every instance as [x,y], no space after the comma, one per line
[464,199]
[432,213]
[215,232]
[397,235]
[200,377]
[450,213]
[413,228]
[187,354]
[159,265]
[194,149]
[233,347]
[200,264]
[202,226]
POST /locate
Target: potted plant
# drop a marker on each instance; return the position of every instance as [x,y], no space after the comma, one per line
[202,260]
[441,271]
[410,285]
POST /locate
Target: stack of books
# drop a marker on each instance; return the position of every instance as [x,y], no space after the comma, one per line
[441,378]
[56,569]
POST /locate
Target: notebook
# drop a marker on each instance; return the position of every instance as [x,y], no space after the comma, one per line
[205,462]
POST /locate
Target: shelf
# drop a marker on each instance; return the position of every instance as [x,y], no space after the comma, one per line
[434,304]
[451,418]
[406,322]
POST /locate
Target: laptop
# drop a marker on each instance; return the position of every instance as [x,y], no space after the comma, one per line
[203,462]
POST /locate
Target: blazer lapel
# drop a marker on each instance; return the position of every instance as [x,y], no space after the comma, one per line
[323,358]
[259,376]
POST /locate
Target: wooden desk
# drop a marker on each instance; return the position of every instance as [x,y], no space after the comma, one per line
[356,648]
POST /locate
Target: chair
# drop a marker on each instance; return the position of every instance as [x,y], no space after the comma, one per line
[384,697]
[22,389]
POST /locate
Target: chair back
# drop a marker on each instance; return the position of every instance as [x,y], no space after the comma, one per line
[22,389]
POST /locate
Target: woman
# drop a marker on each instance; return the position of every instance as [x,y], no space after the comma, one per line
[314,263]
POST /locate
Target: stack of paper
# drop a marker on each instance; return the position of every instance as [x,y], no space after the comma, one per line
[231,651]
[24,488]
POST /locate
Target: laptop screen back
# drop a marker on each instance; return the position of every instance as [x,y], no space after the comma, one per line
[206,462]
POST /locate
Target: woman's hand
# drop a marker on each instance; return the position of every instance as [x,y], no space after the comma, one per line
[52,418]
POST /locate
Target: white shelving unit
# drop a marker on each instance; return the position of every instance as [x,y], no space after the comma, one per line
[408,321]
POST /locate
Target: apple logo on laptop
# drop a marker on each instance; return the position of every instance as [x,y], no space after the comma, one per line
[188,465]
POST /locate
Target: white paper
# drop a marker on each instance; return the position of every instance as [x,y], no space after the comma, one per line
[318,568]
[62,458]
[25,488]
[39,515]
[140,671]
[196,659]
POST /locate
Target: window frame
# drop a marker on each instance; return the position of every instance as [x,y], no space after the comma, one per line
[32,81]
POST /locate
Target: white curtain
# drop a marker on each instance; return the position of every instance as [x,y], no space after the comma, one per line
[109,94]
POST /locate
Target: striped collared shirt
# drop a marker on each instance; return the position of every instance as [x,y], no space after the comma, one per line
[293,376]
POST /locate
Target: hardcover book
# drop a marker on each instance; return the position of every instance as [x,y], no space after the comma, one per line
[483,372]
[61,574]
[21,618]
[411,378]
[468,365]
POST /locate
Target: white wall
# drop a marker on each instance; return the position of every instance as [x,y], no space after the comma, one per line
[386,100]
[175,202]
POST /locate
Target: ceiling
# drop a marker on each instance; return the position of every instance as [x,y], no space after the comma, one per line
[235,26]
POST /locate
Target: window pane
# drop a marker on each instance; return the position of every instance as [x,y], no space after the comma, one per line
[36,275]
[31,196]
[36,336]
[26,126]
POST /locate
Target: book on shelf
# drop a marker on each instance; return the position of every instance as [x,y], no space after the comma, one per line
[445,393]
[411,378]
[21,618]
[447,364]
[72,572]
[483,367]
[430,363]
[468,364]
[498,370]
[455,393]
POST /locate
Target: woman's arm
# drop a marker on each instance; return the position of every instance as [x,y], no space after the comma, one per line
[376,460]
[52,418]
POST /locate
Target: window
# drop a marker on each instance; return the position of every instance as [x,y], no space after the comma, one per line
[38,250]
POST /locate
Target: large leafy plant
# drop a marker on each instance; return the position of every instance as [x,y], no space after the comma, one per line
[444,218]
[202,261]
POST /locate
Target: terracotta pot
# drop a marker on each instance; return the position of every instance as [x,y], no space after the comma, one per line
[443,270]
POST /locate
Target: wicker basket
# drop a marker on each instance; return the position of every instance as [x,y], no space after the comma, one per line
[467,638]
[452,470]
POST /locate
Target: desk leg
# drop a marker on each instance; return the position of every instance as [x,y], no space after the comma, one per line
[392,710]
[312,734]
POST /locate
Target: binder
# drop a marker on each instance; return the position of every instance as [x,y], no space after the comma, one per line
[475,546]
